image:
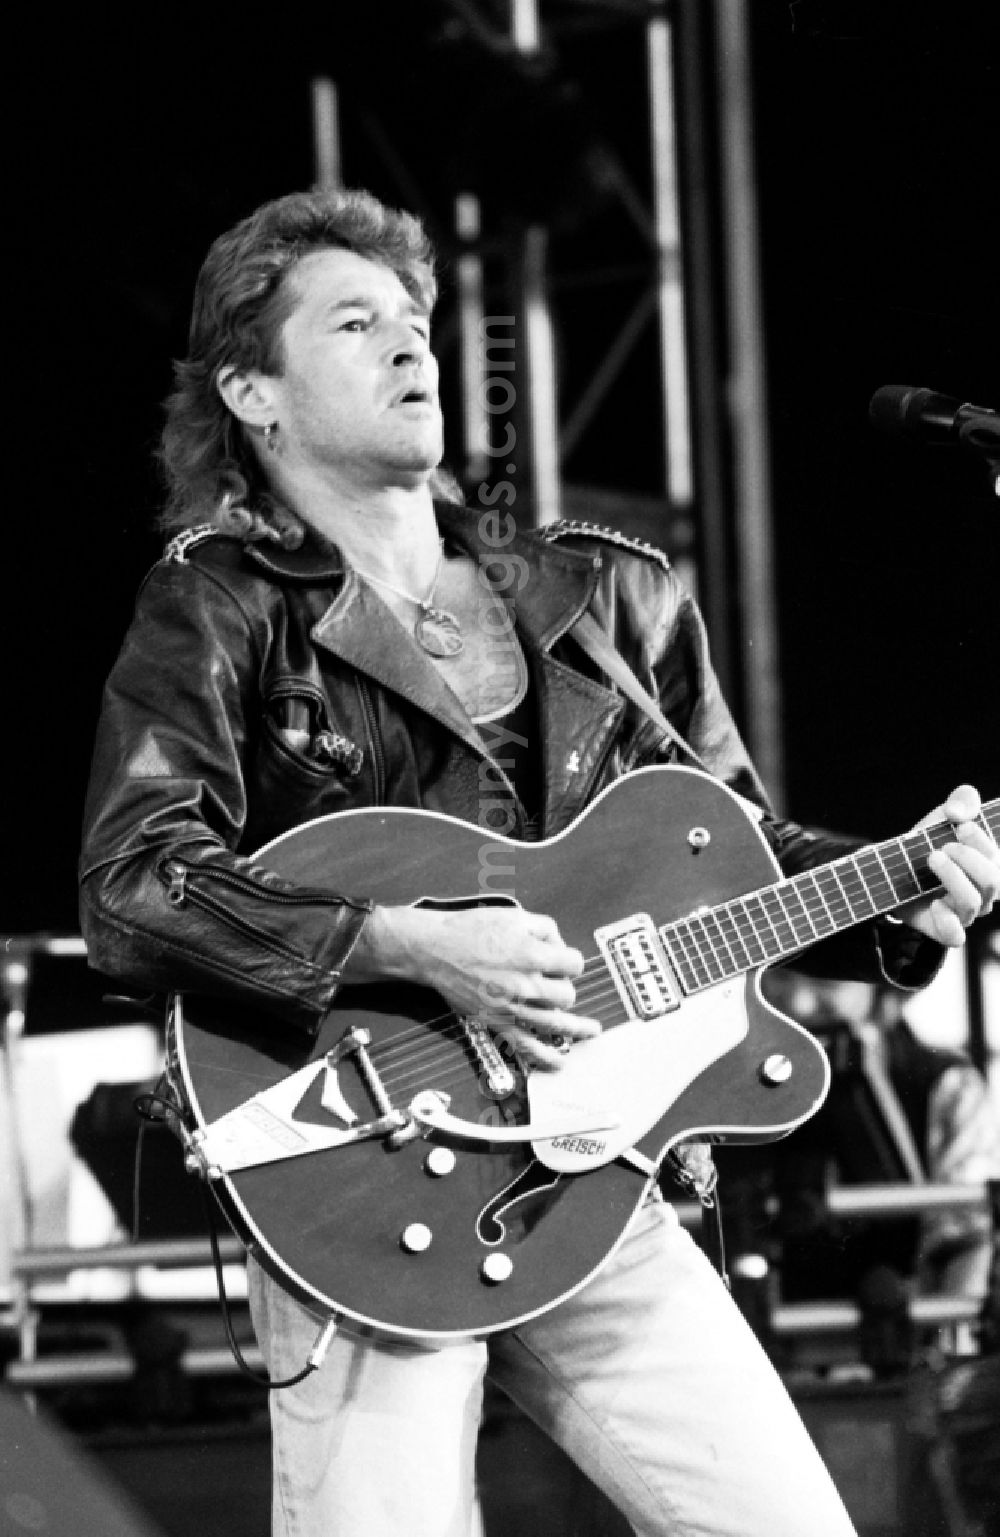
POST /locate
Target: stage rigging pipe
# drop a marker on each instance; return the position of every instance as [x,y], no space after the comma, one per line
[472,338]
[541,373]
[118,1366]
[694,76]
[163,1253]
[809,1318]
[748,398]
[524,25]
[670,266]
[326,134]
[539,347]
[43,943]
[890,1201]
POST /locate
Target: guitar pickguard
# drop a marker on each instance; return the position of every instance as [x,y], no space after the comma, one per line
[636,1071]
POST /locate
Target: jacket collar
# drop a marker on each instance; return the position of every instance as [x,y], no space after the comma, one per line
[546,587]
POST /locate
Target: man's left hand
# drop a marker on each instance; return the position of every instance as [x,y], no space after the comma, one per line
[968,869]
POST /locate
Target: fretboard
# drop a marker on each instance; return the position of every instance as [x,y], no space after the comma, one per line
[777,921]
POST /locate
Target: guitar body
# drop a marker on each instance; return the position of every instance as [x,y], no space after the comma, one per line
[335,1227]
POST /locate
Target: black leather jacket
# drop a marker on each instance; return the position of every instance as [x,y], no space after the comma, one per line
[193,771]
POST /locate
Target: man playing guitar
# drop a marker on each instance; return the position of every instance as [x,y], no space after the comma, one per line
[329,636]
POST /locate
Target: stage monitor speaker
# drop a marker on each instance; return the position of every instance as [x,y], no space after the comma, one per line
[105,1133]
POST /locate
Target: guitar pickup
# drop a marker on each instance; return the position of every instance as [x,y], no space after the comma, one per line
[638,966]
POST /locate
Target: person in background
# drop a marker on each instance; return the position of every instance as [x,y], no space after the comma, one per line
[948,1131]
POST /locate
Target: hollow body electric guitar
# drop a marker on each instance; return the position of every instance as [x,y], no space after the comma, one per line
[403,1172]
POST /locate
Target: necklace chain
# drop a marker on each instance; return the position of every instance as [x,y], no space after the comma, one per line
[398,592]
[437,630]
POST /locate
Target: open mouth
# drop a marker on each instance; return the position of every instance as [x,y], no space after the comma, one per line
[413,397]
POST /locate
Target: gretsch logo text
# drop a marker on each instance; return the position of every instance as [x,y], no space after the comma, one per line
[589,1145]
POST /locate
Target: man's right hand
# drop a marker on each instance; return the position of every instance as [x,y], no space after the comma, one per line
[506,966]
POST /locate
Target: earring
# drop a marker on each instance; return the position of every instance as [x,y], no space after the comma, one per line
[271,436]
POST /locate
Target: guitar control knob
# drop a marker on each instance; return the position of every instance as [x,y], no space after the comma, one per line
[497,1268]
[440,1161]
[775,1069]
[416,1237]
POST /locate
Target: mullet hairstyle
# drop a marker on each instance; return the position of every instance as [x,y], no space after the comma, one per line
[241,301]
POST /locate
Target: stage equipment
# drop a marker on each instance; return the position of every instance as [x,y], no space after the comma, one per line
[939,421]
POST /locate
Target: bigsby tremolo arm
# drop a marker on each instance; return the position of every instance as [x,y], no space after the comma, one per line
[265,1128]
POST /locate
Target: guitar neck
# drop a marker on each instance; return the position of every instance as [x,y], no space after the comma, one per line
[780,920]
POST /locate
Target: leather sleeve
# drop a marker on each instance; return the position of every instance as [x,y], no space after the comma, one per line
[166,901]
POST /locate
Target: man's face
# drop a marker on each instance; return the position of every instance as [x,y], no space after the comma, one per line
[358,391]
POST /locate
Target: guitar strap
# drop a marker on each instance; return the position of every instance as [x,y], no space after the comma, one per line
[588,634]
[693,1162]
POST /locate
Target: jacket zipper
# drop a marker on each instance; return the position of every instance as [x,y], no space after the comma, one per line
[375,749]
[179,893]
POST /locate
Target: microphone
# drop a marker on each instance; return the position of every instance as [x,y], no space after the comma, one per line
[900,408]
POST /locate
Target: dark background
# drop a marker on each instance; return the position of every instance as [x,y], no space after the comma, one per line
[876,132]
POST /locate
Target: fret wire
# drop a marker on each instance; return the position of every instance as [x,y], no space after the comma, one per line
[813,882]
[836,902]
[690,942]
[938,835]
[915,853]
[748,924]
[871,906]
[791,942]
[912,868]
[699,918]
[685,943]
[808,886]
[927,881]
[877,883]
[703,953]
[904,883]
[791,890]
[759,899]
[793,913]
[678,959]
[727,959]
[901,889]
[844,869]
[726,913]
[669,938]
[706,954]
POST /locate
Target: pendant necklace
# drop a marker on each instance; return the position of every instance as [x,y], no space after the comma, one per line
[436,631]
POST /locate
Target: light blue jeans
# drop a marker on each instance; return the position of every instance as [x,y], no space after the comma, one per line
[649,1378]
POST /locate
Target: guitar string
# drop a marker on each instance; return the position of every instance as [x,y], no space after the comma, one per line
[413,1061]
[697,947]
[404,1055]
[411,1049]
[419,1043]
[413,1045]
[418,1033]
[594,990]
[403,1061]
[417,1049]
[401,1042]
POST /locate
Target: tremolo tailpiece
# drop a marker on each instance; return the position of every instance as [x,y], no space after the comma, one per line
[266,1129]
